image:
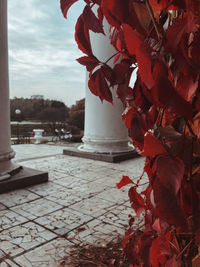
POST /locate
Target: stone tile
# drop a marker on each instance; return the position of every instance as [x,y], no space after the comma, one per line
[23,237]
[106,171]
[90,189]
[44,189]
[62,221]
[52,254]
[2,207]
[132,167]
[111,180]
[96,233]
[87,175]
[8,263]
[93,206]
[81,232]
[114,195]
[65,196]
[2,255]
[118,216]
[70,182]
[17,197]
[54,175]
[36,208]
[39,164]
[9,219]
[61,165]
[96,174]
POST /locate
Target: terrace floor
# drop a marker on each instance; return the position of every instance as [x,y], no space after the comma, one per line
[80,205]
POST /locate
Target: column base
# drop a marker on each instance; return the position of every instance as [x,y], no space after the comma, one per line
[99,145]
[106,157]
[21,177]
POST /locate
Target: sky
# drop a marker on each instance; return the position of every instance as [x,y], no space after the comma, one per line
[43,52]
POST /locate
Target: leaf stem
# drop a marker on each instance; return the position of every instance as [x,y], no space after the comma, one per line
[184,249]
[111,57]
[190,129]
[161,118]
[155,23]
[137,185]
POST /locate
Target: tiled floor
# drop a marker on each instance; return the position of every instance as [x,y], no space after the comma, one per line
[80,204]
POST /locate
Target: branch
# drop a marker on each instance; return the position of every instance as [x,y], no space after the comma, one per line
[184,248]
[155,23]
[161,118]
[190,129]
[193,200]
[110,58]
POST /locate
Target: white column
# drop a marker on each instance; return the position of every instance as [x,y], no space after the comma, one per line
[104,130]
[6,153]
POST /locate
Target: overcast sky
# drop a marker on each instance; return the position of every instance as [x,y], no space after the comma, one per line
[42,51]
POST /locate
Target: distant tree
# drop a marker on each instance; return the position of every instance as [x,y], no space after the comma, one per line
[31,108]
[77,119]
[57,104]
[77,114]
[55,117]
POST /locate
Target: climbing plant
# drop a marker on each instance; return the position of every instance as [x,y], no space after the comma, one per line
[160,40]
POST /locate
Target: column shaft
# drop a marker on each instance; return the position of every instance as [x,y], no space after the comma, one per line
[104,131]
[6,153]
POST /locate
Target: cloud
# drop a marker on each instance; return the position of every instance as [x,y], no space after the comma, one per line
[42,51]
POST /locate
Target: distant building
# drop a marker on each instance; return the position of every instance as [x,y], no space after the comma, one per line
[37,97]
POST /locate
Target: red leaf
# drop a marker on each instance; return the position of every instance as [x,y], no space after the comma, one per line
[159,251]
[157,6]
[195,49]
[93,23]
[144,60]
[100,14]
[135,130]
[88,2]
[115,11]
[171,177]
[156,226]
[187,85]
[120,71]
[174,34]
[144,245]
[132,38]
[152,146]
[107,71]
[167,205]
[137,202]
[65,5]
[124,181]
[82,36]
[142,13]
[172,262]
[128,116]
[90,62]
[140,97]
[124,92]
[99,87]
[165,95]
[136,46]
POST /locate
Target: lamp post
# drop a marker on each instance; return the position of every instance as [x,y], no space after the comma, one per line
[18,113]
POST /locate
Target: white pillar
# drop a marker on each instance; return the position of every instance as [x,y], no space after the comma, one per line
[104,130]
[6,153]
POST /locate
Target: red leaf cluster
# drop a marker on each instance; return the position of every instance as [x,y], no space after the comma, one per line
[160,39]
[65,5]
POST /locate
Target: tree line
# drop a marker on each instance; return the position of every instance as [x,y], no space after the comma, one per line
[53,112]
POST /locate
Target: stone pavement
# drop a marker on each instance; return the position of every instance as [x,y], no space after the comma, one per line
[80,204]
